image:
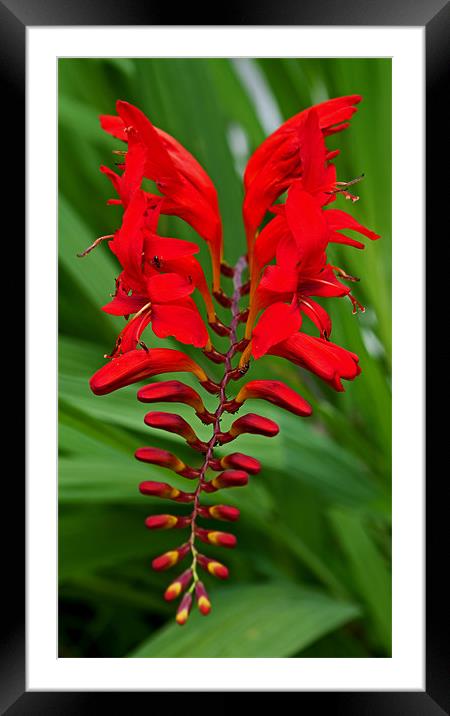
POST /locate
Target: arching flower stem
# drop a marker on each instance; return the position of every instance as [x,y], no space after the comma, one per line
[229,373]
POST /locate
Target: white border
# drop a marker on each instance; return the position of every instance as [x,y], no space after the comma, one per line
[405,670]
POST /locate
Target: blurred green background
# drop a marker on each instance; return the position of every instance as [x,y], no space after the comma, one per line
[311,574]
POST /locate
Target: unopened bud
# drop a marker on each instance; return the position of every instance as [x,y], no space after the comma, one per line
[168,559]
[228,478]
[184,610]
[164,458]
[166,522]
[222,298]
[220,539]
[219,328]
[173,391]
[178,585]
[212,566]
[162,489]
[225,513]
[274,391]
[204,605]
[250,423]
[175,424]
[239,461]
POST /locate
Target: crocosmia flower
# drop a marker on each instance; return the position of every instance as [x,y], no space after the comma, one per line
[280,291]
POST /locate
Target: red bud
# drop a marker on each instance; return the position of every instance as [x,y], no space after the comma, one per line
[276,392]
[184,609]
[168,559]
[228,478]
[212,566]
[178,585]
[173,391]
[204,605]
[221,539]
[225,513]
[166,522]
[163,458]
[250,423]
[241,462]
[162,489]
[175,424]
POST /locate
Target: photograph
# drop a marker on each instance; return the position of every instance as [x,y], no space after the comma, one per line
[224,357]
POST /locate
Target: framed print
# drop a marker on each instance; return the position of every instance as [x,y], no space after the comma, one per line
[227,228]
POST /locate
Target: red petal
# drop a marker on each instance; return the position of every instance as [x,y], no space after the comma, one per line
[133,175]
[317,314]
[165,287]
[114,126]
[128,242]
[189,267]
[324,284]
[268,240]
[276,323]
[313,153]
[113,177]
[123,305]
[159,165]
[336,238]
[279,279]
[337,220]
[129,338]
[183,322]
[166,249]
[305,218]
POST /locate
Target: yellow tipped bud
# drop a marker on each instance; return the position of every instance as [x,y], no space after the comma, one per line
[182,617]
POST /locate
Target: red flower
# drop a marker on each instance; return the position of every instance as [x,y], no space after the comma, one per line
[288,269]
[138,365]
[187,189]
[277,162]
[327,360]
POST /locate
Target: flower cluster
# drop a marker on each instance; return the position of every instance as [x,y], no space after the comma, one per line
[287,266]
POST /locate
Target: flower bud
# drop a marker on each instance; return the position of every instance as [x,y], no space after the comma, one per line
[204,605]
[276,392]
[214,355]
[184,610]
[178,585]
[250,423]
[212,566]
[228,478]
[163,458]
[166,522]
[220,539]
[219,328]
[168,559]
[137,365]
[239,461]
[162,489]
[225,513]
[175,424]
[173,391]
[222,298]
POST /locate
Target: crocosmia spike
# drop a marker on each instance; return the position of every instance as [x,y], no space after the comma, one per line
[291,216]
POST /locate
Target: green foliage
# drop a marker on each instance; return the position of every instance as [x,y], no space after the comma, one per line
[311,575]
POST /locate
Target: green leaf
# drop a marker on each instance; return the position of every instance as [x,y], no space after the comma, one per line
[370,571]
[254,621]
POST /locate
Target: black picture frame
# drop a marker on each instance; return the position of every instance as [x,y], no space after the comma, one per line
[15,17]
